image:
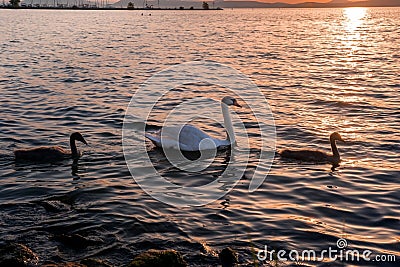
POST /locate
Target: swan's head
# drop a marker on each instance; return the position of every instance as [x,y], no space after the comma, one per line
[77,136]
[230,101]
[336,136]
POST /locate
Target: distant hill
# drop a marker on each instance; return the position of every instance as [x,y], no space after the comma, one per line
[334,3]
[165,3]
[255,4]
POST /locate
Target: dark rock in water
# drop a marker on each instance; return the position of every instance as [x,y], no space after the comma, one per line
[228,257]
[94,263]
[54,206]
[76,241]
[158,258]
[17,255]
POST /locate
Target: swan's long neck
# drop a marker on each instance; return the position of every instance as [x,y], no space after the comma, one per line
[228,123]
[74,150]
[335,151]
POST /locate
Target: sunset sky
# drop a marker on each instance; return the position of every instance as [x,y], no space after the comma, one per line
[294,1]
[297,1]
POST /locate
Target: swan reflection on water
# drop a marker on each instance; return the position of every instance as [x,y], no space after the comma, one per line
[170,159]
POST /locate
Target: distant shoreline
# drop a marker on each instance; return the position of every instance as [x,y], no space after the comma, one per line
[106,8]
[190,9]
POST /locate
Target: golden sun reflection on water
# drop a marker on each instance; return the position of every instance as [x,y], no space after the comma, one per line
[354,17]
[353,20]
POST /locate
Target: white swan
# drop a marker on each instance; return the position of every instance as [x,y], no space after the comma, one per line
[189,138]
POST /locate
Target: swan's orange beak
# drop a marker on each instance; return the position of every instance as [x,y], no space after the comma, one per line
[235,103]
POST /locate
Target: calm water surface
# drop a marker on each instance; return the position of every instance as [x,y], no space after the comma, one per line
[322,70]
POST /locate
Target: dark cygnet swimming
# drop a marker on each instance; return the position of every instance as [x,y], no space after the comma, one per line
[51,153]
[316,156]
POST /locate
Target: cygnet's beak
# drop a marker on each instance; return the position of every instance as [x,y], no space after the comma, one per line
[341,139]
[84,141]
[235,103]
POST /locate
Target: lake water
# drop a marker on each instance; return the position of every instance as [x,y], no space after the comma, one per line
[321,70]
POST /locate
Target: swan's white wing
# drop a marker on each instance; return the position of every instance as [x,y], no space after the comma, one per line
[197,140]
[186,138]
[191,137]
[168,141]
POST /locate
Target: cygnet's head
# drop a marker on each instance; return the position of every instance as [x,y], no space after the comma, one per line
[77,136]
[336,136]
